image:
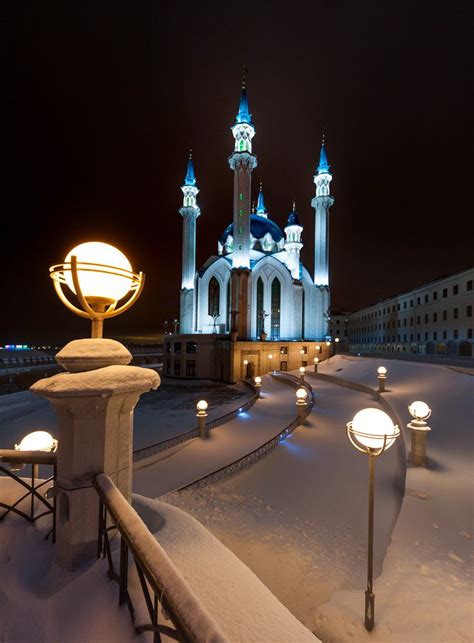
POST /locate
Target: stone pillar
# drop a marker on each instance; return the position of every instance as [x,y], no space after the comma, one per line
[418,444]
[95,412]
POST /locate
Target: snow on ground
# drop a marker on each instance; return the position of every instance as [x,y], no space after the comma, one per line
[425,592]
[269,415]
[160,414]
[298,517]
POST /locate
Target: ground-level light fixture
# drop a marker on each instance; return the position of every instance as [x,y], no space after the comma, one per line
[301,399]
[37,441]
[337,344]
[420,411]
[270,357]
[258,384]
[302,371]
[101,277]
[316,362]
[371,432]
[201,416]
[381,376]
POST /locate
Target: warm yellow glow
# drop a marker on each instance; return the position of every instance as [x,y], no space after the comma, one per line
[302,351]
[246,362]
[301,394]
[318,348]
[37,441]
[270,356]
[202,405]
[382,370]
[106,283]
[258,380]
[370,426]
[328,343]
[302,370]
[316,360]
[420,410]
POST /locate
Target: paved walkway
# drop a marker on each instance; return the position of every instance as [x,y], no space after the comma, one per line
[269,415]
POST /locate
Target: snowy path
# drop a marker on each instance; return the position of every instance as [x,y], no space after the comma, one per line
[298,517]
[265,419]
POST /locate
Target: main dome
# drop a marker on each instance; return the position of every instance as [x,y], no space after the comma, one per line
[259,227]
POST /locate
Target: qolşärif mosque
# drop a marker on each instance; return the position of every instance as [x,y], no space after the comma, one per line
[254,298]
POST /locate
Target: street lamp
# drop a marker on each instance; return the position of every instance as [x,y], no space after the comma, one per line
[381,376]
[371,432]
[302,372]
[420,411]
[100,276]
[301,397]
[337,345]
[270,357]
[302,353]
[258,384]
[246,362]
[201,416]
[316,362]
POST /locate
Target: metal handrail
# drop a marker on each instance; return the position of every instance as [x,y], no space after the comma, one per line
[161,582]
[256,454]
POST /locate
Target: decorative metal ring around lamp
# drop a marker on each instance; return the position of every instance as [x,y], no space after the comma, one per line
[100,276]
[420,411]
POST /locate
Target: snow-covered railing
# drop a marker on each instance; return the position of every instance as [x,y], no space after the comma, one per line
[161,582]
[259,452]
[170,443]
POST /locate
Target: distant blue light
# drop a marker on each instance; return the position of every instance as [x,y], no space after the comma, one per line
[244,415]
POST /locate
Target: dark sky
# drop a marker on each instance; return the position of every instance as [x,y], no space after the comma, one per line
[106,98]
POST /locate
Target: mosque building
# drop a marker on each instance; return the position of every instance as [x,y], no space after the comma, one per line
[254,298]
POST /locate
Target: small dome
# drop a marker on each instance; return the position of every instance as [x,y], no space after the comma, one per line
[259,227]
[293,218]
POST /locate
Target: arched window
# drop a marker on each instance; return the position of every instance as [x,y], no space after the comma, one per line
[275,318]
[260,322]
[213,297]
[229,306]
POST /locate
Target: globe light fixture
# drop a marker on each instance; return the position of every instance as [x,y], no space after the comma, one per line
[316,362]
[302,371]
[270,357]
[258,384]
[420,411]
[301,396]
[100,276]
[337,345]
[37,441]
[381,376]
[318,348]
[371,432]
[201,416]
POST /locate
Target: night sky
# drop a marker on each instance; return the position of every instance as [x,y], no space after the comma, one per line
[105,100]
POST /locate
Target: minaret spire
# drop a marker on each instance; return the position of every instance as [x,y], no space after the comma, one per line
[293,243]
[261,209]
[190,212]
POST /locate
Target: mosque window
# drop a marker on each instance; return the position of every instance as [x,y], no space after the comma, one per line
[177,347]
[275,318]
[190,347]
[260,311]
[241,196]
[213,297]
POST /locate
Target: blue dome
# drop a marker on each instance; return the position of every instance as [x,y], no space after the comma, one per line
[259,226]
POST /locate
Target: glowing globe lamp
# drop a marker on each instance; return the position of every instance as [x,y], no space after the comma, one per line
[100,276]
[302,370]
[420,411]
[316,360]
[301,395]
[202,406]
[37,441]
[372,430]
[258,380]
[382,370]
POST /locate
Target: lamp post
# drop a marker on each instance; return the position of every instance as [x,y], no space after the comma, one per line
[302,372]
[381,376]
[258,384]
[301,397]
[420,411]
[270,357]
[101,277]
[337,345]
[246,362]
[201,416]
[316,362]
[371,432]
[302,354]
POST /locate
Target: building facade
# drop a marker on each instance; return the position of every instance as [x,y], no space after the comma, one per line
[436,318]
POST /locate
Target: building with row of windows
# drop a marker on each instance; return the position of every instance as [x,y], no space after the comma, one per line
[436,318]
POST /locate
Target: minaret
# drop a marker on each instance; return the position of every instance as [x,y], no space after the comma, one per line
[190,212]
[293,243]
[242,162]
[261,209]
[321,204]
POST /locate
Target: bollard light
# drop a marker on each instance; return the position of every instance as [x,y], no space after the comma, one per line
[420,411]
[371,432]
[318,348]
[258,380]
[270,357]
[302,371]
[37,441]
[381,376]
[316,362]
[337,345]
[201,416]
[301,396]
[100,276]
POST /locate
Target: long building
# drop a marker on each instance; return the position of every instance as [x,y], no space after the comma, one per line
[436,318]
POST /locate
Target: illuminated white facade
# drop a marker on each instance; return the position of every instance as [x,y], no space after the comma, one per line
[256,287]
